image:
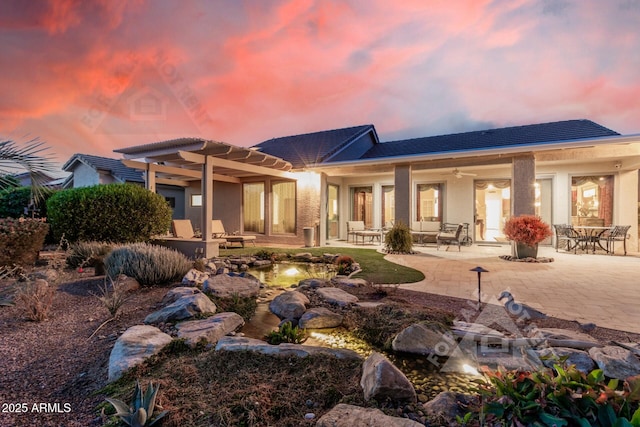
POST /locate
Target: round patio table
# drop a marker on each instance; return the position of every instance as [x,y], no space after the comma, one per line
[592,235]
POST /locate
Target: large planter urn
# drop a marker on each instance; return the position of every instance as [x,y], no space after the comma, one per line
[522,250]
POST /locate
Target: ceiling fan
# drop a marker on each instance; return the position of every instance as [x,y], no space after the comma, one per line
[456,172]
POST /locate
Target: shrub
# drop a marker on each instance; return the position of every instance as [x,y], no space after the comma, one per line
[36,299]
[244,306]
[88,254]
[21,240]
[118,213]
[527,229]
[13,201]
[148,264]
[398,239]
[344,264]
[287,334]
[112,297]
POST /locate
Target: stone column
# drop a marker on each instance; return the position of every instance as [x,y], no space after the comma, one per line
[207,198]
[402,189]
[523,192]
[150,177]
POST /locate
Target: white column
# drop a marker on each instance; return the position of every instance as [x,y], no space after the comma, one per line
[626,206]
[150,177]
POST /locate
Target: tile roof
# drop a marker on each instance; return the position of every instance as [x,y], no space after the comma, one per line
[536,134]
[313,148]
[114,166]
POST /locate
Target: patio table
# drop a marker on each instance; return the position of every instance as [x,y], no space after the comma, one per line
[592,235]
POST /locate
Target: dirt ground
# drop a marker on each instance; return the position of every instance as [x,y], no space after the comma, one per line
[52,370]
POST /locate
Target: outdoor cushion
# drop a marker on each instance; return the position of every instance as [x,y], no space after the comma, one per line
[182,228]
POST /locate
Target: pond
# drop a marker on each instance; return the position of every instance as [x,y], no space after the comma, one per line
[285,274]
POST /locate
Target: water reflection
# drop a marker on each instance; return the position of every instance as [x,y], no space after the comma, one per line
[286,274]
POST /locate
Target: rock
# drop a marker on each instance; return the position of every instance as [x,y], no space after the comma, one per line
[368,304]
[518,358]
[194,278]
[319,318]
[228,285]
[184,308]
[133,346]
[579,358]
[314,283]
[443,409]
[337,296]
[343,415]
[463,328]
[381,380]
[210,329]
[615,362]
[251,344]
[261,263]
[303,256]
[126,283]
[50,275]
[346,281]
[422,338]
[176,293]
[289,305]
[564,338]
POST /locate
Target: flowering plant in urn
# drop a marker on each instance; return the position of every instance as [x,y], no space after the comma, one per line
[527,229]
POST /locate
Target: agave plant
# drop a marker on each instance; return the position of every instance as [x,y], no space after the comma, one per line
[140,412]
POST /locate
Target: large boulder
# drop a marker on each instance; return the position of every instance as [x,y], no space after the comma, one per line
[343,415]
[319,318]
[615,362]
[209,330]
[184,308]
[422,338]
[133,346]
[581,359]
[289,305]
[445,407]
[194,277]
[298,350]
[227,285]
[564,338]
[176,293]
[337,296]
[382,380]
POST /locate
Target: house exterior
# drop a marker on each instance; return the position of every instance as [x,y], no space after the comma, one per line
[573,171]
[87,170]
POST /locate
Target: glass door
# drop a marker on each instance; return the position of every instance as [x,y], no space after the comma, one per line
[493,207]
[362,205]
[332,212]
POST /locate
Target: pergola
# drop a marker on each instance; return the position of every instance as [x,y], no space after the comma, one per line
[180,162]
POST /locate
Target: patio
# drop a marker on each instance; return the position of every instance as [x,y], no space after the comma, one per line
[601,289]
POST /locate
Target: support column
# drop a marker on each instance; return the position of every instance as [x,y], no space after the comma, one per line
[150,177]
[523,192]
[207,199]
[402,190]
[625,209]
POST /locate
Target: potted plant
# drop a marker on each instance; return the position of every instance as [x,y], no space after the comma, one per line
[526,231]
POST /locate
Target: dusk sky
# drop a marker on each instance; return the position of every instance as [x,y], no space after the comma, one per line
[93,76]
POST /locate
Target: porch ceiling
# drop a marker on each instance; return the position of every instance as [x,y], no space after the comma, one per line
[180,161]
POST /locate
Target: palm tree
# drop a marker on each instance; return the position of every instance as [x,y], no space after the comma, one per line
[29,157]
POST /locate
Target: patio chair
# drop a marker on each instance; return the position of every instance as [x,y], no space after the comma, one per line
[182,229]
[450,238]
[617,234]
[353,228]
[218,231]
[566,233]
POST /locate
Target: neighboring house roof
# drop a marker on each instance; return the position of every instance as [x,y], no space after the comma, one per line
[536,134]
[112,166]
[318,147]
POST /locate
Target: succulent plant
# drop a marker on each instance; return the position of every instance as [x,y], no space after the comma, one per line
[140,412]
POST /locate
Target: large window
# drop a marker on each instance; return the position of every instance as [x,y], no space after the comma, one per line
[592,200]
[253,207]
[283,207]
[362,205]
[388,205]
[429,203]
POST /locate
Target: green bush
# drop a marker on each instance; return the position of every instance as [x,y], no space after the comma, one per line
[14,200]
[149,264]
[86,254]
[21,240]
[287,334]
[398,239]
[118,213]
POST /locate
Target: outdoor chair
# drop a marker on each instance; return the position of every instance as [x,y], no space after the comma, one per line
[617,234]
[450,238]
[353,228]
[182,229]
[566,233]
[218,231]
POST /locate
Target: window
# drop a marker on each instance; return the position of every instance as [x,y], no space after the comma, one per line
[592,200]
[253,207]
[196,200]
[283,207]
[362,205]
[388,205]
[429,203]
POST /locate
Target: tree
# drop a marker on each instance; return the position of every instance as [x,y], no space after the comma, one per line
[27,157]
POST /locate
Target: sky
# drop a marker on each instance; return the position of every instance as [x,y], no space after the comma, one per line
[93,76]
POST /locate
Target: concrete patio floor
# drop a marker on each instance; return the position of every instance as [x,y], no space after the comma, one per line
[586,287]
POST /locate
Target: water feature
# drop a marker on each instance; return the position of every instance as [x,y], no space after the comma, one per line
[284,274]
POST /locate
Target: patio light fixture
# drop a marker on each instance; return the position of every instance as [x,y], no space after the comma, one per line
[479,270]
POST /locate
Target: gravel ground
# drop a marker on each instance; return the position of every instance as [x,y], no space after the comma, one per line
[57,364]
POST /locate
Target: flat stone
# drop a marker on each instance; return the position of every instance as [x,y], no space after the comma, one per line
[513,359]
[615,362]
[564,338]
[289,305]
[343,415]
[422,338]
[209,330]
[133,346]
[346,281]
[445,407]
[176,293]
[298,350]
[227,285]
[464,328]
[368,304]
[381,380]
[314,283]
[194,278]
[337,296]
[581,359]
[319,318]
[183,308]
